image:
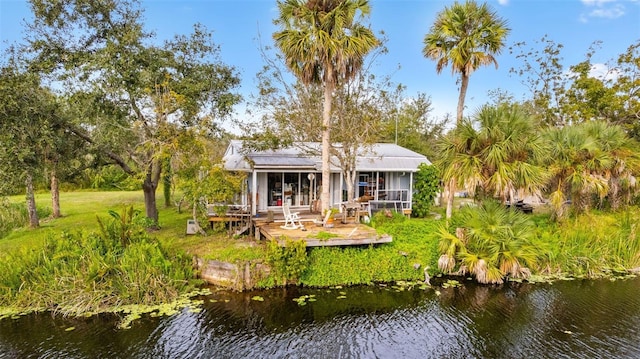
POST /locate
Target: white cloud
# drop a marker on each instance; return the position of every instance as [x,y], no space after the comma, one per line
[606,9]
[598,71]
[503,2]
[603,72]
[596,2]
[609,13]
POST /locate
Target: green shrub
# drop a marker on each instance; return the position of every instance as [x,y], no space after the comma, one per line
[287,263]
[386,216]
[111,178]
[427,183]
[493,243]
[413,248]
[329,266]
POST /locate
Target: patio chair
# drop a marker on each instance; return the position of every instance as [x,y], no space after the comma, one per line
[327,221]
[290,218]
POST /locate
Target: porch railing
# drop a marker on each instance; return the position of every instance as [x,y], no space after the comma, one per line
[393,199]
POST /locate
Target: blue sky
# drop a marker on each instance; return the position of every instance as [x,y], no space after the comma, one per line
[237,24]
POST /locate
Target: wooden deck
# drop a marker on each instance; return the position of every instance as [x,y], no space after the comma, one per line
[236,223]
[267,225]
[341,234]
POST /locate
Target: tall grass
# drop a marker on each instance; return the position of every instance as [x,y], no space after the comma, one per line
[594,244]
[14,215]
[75,273]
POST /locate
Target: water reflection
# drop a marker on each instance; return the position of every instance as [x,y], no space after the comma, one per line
[577,319]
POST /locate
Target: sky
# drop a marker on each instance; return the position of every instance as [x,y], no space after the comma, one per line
[241,27]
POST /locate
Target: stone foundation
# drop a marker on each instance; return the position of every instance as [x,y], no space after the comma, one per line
[240,277]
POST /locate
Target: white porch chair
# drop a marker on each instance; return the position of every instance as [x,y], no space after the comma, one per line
[290,218]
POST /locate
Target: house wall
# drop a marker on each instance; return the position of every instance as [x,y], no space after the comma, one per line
[294,188]
[397,186]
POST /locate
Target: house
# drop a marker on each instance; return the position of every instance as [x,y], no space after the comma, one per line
[385,175]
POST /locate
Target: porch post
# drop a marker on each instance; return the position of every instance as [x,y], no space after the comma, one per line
[340,193]
[410,194]
[254,192]
[377,186]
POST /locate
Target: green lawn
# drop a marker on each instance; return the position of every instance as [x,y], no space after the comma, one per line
[80,210]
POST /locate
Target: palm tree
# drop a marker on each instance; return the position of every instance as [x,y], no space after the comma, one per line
[495,243]
[625,161]
[323,43]
[591,159]
[467,36]
[495,153]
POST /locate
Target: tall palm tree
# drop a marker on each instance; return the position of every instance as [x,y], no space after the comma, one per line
[323,43]
[467,36]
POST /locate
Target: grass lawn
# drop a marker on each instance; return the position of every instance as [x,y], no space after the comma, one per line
[80,210]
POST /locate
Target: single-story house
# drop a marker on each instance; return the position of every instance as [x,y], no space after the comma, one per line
[293,175]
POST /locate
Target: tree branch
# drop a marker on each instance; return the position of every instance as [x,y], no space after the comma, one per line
[117,159]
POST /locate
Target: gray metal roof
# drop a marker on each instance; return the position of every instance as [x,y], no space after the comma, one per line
[380,157]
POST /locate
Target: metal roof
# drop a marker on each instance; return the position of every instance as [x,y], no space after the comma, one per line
[379,157]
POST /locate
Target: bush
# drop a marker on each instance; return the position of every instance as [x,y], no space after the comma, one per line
[414,247]
[491,242]
[427,183]
[111,178]
[287,263]
[386,216]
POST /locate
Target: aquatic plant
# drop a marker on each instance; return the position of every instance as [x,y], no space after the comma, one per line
[287,262]
[593,245]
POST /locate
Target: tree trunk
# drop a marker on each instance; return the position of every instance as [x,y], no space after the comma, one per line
[149,187]
[350,179]
[194,214]
[55,194]
[34,222]
[450,195]
[463,93]
[326,145]
[166,182]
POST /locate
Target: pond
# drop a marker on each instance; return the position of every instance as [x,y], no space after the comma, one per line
[576,319]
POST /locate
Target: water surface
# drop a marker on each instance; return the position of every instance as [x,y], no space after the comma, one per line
[569,319]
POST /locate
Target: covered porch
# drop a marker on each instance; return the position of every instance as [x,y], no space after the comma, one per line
[383,174]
